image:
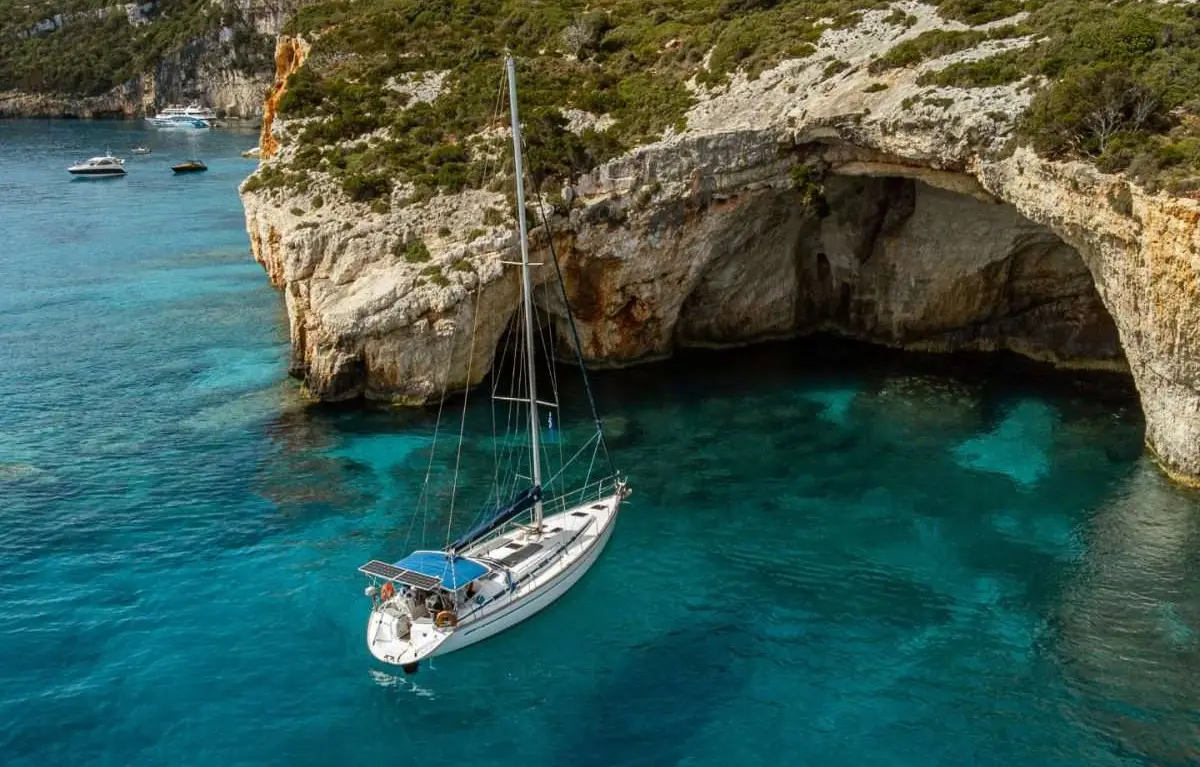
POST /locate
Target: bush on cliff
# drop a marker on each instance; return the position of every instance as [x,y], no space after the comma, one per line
[364,187]
[631,60]
[627,59]
[939,42]
[1120,86]
[98,49]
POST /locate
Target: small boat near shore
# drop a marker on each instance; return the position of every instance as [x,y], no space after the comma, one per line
[191,116]
[189,166]
[98,167]
[140,150]
[178,121]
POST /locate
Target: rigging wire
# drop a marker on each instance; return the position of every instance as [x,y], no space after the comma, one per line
[462,427]
[424,499]
[545,337]
[587,387]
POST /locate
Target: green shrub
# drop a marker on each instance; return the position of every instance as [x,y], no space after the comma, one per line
[937,43]
[807,182]
[413,249]
[434,273]
[1096,111]
[833,67]
[364,187]
[1001,69]
[494,217]
[900,19]
[978,11]
[875,88]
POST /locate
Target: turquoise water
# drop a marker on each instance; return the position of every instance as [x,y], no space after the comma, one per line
[832,557]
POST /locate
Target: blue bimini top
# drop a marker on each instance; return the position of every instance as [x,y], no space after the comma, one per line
[454,573]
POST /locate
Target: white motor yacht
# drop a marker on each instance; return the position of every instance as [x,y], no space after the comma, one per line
[99,166]
[191,116]
[178,121]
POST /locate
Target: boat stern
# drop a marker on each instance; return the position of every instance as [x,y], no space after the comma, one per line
[396,640]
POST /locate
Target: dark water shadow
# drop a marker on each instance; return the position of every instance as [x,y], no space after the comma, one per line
[1126,634]
[670,690]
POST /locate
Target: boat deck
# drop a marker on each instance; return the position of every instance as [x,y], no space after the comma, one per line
[529,570]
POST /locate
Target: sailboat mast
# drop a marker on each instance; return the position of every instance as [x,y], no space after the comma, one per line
[526,288]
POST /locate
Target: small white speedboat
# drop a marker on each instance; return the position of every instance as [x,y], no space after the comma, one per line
[99,166]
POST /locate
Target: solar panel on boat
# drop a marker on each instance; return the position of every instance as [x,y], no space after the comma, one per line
[399,574]
[521,554]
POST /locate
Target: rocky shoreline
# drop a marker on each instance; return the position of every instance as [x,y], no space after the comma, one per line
[932,232]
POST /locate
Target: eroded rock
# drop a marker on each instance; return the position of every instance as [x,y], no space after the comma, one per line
[930,233]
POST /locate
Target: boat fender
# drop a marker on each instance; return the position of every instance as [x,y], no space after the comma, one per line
[446,619]
[387,592]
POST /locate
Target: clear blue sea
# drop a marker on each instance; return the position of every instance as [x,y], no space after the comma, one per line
[831,557]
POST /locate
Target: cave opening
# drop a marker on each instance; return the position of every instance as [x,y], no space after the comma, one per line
[507,375]
[904,263]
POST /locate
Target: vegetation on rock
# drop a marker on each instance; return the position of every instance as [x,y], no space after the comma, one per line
[1118,83]
[1121,85]
[940,42]
[621,58]
[88,47]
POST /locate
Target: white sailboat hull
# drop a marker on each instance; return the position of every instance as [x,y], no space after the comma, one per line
[539,584]
[435,602]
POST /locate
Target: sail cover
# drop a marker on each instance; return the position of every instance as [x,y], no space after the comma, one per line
[522,503]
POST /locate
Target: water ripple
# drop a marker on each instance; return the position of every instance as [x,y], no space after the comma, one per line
[825,562]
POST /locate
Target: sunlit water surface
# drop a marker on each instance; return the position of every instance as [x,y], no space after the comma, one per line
[830,558]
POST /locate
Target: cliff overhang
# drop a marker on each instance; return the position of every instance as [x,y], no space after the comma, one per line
[791,203]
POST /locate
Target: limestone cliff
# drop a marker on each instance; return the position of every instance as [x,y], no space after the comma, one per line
[809,198]
[220,56]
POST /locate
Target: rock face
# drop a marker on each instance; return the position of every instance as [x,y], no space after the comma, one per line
[913,223]
[290,54]
[125,101]
[228,69]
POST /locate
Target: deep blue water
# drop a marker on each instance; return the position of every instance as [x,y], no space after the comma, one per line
[832,557]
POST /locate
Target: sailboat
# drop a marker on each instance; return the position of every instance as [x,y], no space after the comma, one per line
[529,546]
